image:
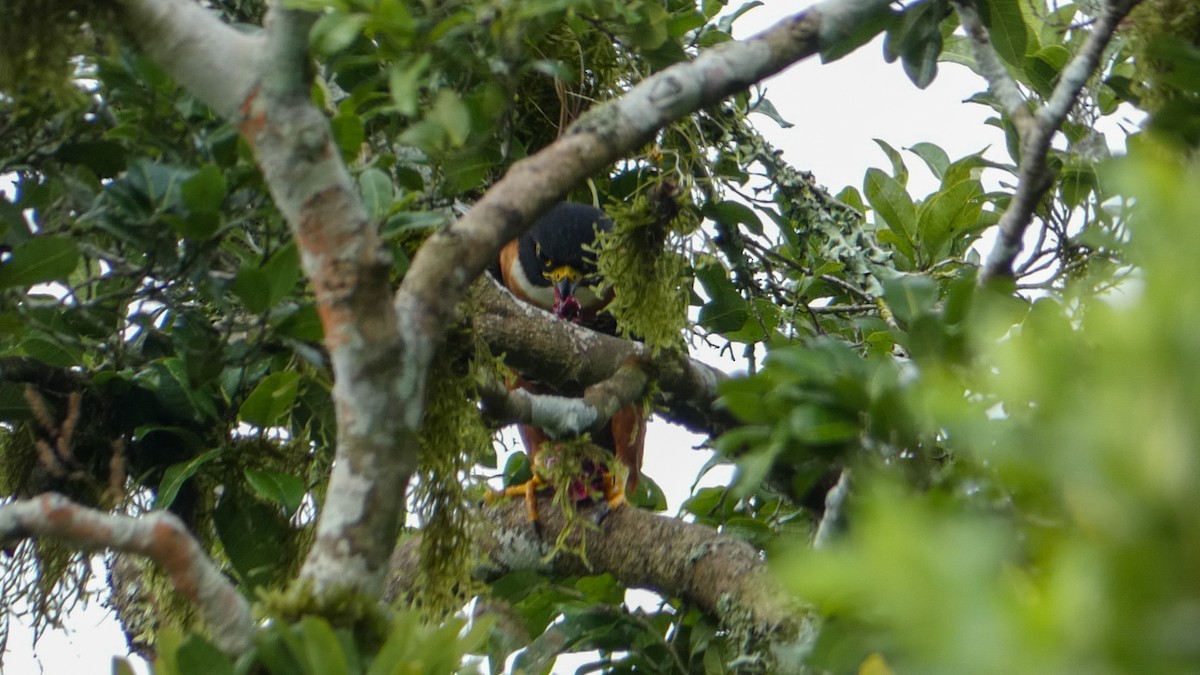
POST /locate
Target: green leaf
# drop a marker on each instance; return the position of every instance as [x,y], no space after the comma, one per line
[1006,28]
[712,7]
[453,115]
[13,407]
[650,29]
[263,288]
[894,206]
[765,107]
[282,272]
[850,196]
[271,399]
[197,656]
[322,650]
[649,495]
[280,488]
[910,296]
[40,260]
[178,474]
[1077,181]
[52,349]
[348,134]
[404,82]
[706,501]
[1043,68]
[946,214]
[377,193]
[167,378]
[252,288]
[205,190]
[105,158]
[517,470]
[724,314]
[734,213]
[920,61]
[333,32]
[197,225]
[899,168]
[934,157]
[11,220]
[251,535]
[917,40]
[856,33]
[750,529]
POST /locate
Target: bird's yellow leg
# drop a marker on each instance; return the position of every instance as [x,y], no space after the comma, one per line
[528,490]
[614,491]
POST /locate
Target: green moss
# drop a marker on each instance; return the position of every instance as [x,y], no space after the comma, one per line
[342,608]
[37,42]
[453,437]
[1154,26]
[643,260]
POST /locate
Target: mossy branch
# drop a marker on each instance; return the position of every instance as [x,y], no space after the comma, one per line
[721,575]
[160,536]
[572,358]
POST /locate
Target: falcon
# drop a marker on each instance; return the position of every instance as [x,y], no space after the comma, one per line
[553,266]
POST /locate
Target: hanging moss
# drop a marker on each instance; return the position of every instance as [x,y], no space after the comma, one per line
[453,437]
[643,258]
[37,43]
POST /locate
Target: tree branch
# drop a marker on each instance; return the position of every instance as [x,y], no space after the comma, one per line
[1033,178]
[721,575]
[158,535]
[1001,84]
[561,416]
[213,61]
[571,358]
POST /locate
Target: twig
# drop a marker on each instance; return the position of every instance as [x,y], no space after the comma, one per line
[1001,84]
[1033,176]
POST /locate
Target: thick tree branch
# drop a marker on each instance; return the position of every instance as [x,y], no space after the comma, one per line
[377,399]
[571,358]
[1033,178]
[159,536]
[213,61]
[718,574]
[263,85]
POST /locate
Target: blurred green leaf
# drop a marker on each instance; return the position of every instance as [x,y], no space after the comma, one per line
[39,260]
[280,488]
[271,399]
[176,475]
[196,656]
[205,190]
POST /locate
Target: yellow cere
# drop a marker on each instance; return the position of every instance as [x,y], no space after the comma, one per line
[564,272]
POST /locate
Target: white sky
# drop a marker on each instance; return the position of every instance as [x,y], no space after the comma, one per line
[836,109]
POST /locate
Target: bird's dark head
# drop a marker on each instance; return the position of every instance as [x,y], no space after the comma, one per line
[557,254]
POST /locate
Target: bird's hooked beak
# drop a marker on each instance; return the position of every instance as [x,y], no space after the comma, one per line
[566,305]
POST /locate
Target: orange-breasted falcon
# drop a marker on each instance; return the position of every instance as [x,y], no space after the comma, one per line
[552,266]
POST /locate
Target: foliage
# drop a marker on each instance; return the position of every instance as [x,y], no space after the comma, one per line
[1020,457]
[311,646]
